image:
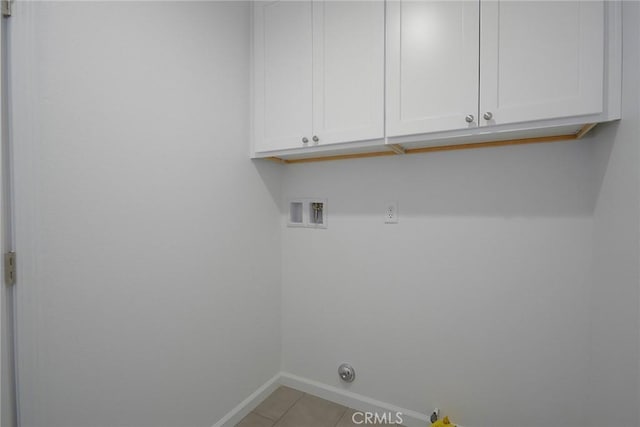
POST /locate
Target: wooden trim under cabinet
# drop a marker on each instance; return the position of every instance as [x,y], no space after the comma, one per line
[396,149]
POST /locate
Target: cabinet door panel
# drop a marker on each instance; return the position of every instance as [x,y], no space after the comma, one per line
[348,55]
[282,74]
[541,60]
[432,65]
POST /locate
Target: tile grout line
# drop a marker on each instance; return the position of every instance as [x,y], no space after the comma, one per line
[288,409]
[341,415]
[344,411]
[262,416]
[273,422]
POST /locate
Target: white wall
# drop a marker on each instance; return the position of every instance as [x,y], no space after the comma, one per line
[149,289]
[507,294]
[614,315]
[476,302]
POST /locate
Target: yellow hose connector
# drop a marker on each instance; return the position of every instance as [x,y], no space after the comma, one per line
[442,423]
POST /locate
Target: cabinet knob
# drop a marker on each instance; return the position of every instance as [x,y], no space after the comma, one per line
[469,118]
[488,115]
[315,138]
[305,140]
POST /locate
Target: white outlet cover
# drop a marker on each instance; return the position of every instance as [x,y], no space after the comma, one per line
[391,213]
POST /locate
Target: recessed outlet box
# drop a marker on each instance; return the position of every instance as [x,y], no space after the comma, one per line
[296,213]
[307,212]
[318,213]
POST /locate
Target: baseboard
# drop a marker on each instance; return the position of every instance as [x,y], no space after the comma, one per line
[333,394]
[352,400]
[239,412]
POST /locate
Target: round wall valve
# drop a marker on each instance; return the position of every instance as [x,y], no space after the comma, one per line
[347,373]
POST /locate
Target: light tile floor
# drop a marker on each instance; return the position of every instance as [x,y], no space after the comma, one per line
[287,407]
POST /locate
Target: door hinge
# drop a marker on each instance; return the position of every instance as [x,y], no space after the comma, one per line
[7,7]
[10,268]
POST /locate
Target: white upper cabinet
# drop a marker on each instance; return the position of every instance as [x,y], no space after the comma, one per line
[348,70]
[282,87]
[453,65]
[540,60]
[383,77]
[432,66]
[318,73]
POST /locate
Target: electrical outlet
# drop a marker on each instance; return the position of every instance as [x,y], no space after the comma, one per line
[391,213]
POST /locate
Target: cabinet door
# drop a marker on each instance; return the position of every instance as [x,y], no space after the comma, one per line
[348,70]
[541,60]
[432,66]
[282,74]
